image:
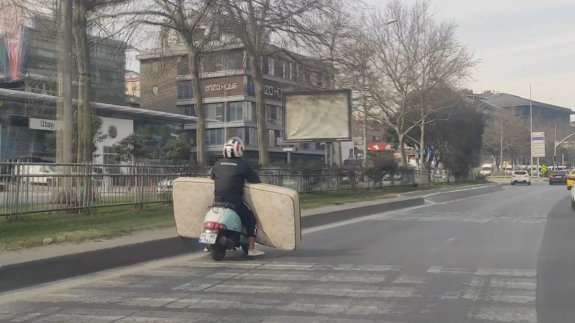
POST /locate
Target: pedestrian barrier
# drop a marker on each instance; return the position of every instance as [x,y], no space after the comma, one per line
[44,187]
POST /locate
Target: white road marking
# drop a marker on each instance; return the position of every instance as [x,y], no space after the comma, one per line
[505,314]
[52,287]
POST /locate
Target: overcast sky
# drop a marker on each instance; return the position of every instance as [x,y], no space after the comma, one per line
[518,42]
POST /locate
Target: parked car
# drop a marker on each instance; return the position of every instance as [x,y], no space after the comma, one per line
[570,179]
[37,174]
[557,177]
[520,176]
[486,169]
[164,186]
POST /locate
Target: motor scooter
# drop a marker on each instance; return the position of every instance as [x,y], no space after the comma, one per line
[223,230]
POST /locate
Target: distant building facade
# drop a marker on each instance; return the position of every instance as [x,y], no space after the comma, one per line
[553,120]
[132,88]
[229,94]
[28,85]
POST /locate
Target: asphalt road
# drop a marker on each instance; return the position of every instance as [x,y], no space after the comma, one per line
[506,256]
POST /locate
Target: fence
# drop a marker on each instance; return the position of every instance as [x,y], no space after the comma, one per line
[35,187]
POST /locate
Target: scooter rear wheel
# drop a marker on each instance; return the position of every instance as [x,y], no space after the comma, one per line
[218,249]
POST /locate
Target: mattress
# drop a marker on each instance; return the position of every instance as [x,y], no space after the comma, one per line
[276,208]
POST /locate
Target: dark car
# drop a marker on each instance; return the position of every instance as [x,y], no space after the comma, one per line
[558,177]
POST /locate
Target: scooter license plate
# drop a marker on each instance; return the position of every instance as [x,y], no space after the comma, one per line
[208,237]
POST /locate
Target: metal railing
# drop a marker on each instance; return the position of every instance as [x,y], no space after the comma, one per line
[37,187]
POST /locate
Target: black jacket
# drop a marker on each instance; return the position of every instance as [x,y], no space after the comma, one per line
[230,175]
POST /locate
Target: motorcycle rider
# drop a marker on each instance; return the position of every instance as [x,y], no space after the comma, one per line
[230,174]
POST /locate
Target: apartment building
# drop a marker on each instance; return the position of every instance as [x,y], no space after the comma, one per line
[229,94]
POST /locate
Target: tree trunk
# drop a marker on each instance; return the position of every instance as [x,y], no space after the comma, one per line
[64,194]
[193,62]
[364,135]
[84,122]
[422,145]
[260,110]
[64,135]
[401,142]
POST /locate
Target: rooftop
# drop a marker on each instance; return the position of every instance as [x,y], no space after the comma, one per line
[26,96]
[504,100]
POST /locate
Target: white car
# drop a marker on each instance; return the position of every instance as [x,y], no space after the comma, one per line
[164,186]
[520,176]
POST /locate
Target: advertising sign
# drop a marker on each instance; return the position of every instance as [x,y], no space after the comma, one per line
[538,144]
[43,124]
[317,116]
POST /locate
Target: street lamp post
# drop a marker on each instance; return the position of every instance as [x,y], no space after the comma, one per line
[531,135]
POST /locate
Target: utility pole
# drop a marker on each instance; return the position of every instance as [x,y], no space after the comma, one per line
[531,136]
[64,108]
[555,149]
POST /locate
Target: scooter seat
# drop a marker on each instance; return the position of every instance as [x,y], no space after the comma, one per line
[226,205]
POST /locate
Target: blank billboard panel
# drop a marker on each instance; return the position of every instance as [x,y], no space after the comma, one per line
[317,116]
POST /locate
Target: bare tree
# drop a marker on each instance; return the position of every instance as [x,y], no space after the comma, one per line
[504,132]
[255,22]
[85,16]
[194,22]
[412,54]
[356,73]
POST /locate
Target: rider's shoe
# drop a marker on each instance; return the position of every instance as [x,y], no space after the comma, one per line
[255,253]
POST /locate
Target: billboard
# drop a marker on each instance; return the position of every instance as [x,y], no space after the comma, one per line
[12,23]
[538,144]
[317,116]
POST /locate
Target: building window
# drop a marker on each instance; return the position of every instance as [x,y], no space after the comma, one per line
[292,71]
[214,111]
[249,111]
[182,66]
[273,138]
[313,78]
[215,137]
[237,132]
[271,66]
[188,110]
[212,62]
[110,156]
[184,90]
[273,114]
[235,111]
[320,80]
[284,70]
[234,60]
[304,146]
[263,65]
[253,136]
